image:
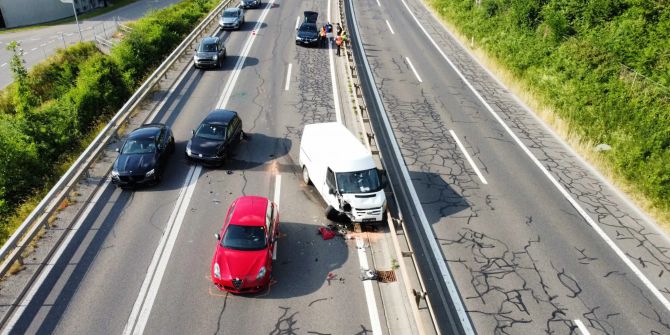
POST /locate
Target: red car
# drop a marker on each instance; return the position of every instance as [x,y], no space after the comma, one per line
[242,261]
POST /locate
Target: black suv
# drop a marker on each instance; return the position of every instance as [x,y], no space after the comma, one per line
[215,138]
[143,155]
[250,3]
[308,33]
[210,53]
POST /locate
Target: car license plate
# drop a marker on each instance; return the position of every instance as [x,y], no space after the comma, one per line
[369,220]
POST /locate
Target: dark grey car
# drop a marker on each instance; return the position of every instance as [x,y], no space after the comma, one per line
[209,53]
[215,138]
[250,3]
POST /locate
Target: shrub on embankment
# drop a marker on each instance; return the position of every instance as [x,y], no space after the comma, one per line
[602,66]
[47,112]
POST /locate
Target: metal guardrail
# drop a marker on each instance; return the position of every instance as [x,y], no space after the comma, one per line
[12,250]
[445,315]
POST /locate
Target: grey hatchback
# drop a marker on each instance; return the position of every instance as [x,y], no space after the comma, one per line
[209,53]
[231,18]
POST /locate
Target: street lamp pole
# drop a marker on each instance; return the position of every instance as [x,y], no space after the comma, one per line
[81,37]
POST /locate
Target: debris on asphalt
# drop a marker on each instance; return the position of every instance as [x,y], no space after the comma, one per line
[326,233]
[229,172]
[367,274]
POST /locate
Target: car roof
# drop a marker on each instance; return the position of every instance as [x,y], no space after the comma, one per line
[250,211]
[311,16]
[210,39]
[146,131]
[219,116]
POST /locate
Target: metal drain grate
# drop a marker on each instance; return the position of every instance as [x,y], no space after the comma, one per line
[386,276]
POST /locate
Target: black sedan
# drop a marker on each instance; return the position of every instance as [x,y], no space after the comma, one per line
[143,156]
[308,33]
[250,3]
[215,138]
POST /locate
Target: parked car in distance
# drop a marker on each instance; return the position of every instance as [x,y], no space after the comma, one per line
[231,18]
[143,155]
[210,53]
[216,137]
[245,247]
[308,33]
[250,3]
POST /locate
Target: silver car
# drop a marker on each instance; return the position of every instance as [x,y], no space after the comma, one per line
[231,18]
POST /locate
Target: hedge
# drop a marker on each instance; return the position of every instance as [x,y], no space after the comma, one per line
[603,66]
[72,92]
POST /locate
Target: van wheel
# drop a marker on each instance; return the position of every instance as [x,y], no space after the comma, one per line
[305,176]
[332,214]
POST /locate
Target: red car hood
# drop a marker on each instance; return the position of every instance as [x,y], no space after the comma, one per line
[240,263]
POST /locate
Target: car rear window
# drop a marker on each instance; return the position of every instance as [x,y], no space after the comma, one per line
[244,237]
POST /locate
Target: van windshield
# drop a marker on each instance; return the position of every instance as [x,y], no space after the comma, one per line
[365,181]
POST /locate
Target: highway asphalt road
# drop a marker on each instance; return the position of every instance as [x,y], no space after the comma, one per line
[108,280]
[522,222]
[39,43]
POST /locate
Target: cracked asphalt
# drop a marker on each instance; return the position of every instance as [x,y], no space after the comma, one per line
[525,261]
[96,283]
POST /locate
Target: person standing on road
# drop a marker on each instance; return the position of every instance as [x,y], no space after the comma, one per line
[329,32]
[338,41]
[339,29]
[322,36]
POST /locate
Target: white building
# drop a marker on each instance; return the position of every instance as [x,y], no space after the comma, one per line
[17,13]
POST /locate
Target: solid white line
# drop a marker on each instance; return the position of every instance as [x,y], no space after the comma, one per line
[447,278]
[413,69]
[152,281]
[297,22]
[467,156]
[378,4]
[581,327]
[46,271]
[367,287]
[3,65]
[333,81]
[546,172]
[391,29]
[288,77]
[228,89]
[33,49]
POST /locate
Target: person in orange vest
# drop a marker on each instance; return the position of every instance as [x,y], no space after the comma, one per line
[322,36]
[338,41]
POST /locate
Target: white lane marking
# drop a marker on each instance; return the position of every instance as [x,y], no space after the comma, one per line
[46,271]
[276,200]
[228,89]
[379,4]
[3,65]
[551,178]
[33,49]
[413,69]
[431,240]
[391,29]
[581,327]
[297,22]
[467,156]
[288,77]
[152,281]
[333,81]
[367,287]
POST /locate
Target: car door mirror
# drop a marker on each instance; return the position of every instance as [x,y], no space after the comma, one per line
[193,132]
[218,237]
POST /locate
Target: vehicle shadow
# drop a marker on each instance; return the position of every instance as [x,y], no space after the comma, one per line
[251,26]
[231,60]
[255,151]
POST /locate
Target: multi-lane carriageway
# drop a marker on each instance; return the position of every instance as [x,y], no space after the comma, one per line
[536,241]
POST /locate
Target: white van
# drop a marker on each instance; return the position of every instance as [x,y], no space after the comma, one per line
[343,172]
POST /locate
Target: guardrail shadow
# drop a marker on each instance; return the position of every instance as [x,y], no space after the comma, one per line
[58,306]
[438,199]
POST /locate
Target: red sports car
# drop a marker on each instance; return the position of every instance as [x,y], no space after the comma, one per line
[242,261]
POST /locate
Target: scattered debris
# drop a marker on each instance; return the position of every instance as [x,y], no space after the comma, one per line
[386,276]
[368,274]
[326,233]
[229,172]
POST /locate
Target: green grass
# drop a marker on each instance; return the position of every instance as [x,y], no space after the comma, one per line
[90,14]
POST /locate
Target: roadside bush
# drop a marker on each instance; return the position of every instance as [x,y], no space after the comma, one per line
[602,65]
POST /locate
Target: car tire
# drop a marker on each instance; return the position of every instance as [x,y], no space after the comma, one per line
[305,176]
[331,213]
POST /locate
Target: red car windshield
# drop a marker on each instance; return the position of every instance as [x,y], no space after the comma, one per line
[244,238]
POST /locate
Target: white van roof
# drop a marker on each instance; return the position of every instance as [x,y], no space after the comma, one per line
[333,143]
